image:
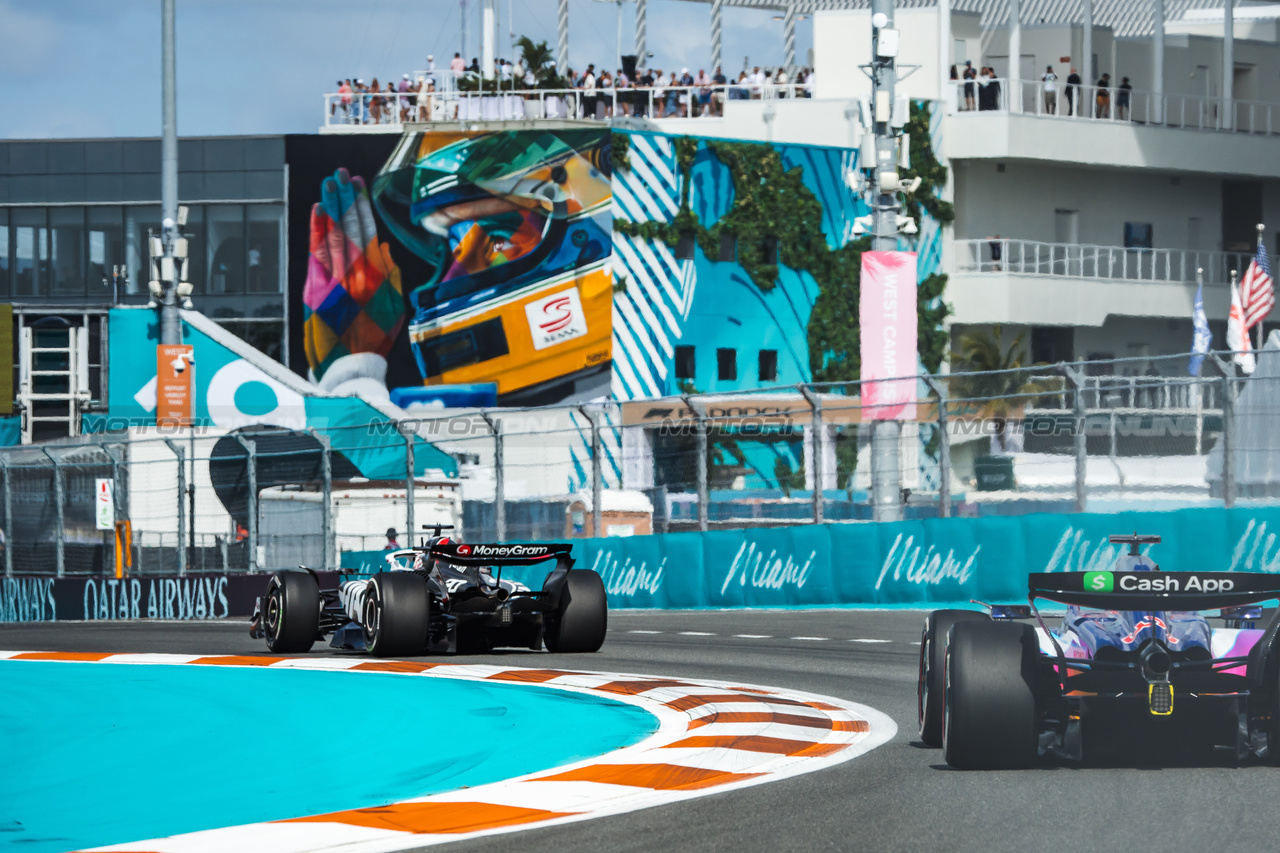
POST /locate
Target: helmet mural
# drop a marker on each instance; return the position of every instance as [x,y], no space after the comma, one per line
[509,222]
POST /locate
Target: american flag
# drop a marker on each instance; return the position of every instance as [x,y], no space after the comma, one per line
[1257,291]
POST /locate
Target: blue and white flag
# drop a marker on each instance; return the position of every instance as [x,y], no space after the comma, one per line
[1203,338]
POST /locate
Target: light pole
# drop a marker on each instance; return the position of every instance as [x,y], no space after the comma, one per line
[170,324]
[886,476]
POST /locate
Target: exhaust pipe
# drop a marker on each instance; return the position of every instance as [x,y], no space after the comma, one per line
[1156,662]
[500,594]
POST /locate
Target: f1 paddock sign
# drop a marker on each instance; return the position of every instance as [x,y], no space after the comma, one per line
[104,506]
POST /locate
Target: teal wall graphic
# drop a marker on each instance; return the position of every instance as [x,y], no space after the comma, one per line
[237,386]
[906,564]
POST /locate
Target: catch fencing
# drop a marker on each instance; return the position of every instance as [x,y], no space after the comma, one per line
[1099,436]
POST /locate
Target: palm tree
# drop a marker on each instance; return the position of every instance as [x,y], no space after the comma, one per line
[536,57]
[991,378]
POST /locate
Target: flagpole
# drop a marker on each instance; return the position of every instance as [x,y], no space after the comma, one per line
[1260,319]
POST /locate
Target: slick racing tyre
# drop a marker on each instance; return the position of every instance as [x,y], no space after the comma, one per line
[397,613]
[989,705]
[582,620]
[291,612]
[929,688]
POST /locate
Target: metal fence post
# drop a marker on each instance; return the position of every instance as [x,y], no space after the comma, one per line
[251,467]
[700,425]
[944,448]
[326,500]
[8,517]
[597,486]
[499,484]
[182,516]
[59,535]
[409,482]
[499,476]
[818,430]
[1227,372]
[1076,381]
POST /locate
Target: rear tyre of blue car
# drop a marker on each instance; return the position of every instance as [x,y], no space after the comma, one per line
[582,620]
[929,688]
[396,617]
[989,702]
[291,612]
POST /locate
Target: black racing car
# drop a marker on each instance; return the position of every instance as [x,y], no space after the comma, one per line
[444,597]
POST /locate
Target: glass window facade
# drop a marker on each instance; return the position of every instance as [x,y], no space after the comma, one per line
[30,237]
[265,228]
[105,229]
[226,248]
[67,251]
[70,210]
[64,253]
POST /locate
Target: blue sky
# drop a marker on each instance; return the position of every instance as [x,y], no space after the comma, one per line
[91,68]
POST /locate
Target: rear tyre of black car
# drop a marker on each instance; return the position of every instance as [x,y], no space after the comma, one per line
[291,612]
[989,710]
[397,612]
[582,620]
[929,688]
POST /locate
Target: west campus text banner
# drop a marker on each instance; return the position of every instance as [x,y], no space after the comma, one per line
[913,563]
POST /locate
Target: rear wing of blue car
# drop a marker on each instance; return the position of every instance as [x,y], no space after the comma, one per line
[1156,590]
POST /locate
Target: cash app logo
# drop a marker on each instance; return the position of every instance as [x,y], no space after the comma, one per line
[1099,581]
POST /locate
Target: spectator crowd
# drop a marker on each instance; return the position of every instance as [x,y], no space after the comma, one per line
[980,89]
[433,94]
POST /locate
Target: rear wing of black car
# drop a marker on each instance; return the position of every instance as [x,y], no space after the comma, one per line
[1154,590]
[467,554]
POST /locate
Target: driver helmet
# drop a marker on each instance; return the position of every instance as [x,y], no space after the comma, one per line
[428,562]
[1137,563]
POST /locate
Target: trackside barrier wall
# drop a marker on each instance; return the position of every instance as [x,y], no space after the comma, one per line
[912,563]
[41,598]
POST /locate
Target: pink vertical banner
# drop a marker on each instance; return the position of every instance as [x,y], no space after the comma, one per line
[887,308]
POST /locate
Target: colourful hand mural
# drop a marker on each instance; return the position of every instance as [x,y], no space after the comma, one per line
[353,301]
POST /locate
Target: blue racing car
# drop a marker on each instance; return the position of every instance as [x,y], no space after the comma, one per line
[1134,664]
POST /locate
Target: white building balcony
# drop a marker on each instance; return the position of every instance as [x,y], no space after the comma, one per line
[1112,128]
[1025,282]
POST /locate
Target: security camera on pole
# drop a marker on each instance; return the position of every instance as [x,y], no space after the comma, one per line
[168,281]
[887,308]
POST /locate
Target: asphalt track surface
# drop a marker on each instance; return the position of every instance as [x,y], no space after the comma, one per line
[899,796]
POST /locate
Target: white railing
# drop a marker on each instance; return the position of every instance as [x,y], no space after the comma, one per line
[1146,392]
[1113,104]
[663,102]
[1077,260]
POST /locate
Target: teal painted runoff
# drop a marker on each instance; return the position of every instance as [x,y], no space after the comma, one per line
[97,754]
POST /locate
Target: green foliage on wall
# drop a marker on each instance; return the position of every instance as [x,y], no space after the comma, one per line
[775,219]
[925,166]
[620,152]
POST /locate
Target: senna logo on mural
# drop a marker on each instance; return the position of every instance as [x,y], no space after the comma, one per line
[514,232]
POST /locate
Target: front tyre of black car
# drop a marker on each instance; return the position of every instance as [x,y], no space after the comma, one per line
[291,612]
[582,620]
[929,686]
[989,703]
[397,613]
